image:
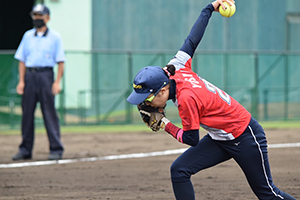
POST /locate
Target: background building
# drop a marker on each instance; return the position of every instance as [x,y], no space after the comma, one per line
[254,55]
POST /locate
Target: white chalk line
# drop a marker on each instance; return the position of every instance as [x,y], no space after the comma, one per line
[122,156]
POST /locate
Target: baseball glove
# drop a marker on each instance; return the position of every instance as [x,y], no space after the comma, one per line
[151,116]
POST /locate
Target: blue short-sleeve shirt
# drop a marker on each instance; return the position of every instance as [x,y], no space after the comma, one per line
[40,51]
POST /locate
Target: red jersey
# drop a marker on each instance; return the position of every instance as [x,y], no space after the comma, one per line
[200,103]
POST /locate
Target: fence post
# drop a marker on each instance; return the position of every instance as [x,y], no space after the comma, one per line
[163,59]
[96,91]
[255,93]
[266,93]
[129,117]
[81,106]
[286,87]
[225,76]
[12,113]
[61,109]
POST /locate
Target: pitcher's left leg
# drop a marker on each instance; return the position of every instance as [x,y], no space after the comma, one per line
[252,157]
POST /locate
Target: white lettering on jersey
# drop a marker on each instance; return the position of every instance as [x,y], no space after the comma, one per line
[192,80]
[215,89]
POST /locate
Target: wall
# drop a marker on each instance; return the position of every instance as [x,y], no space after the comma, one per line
[157,24]
[73,20]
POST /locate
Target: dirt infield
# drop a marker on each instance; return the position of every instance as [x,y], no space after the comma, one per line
[135,178]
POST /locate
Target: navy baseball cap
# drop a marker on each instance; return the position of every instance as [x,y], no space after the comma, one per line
[40,9]
[148,80]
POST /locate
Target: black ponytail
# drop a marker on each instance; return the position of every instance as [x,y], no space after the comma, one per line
[169,70]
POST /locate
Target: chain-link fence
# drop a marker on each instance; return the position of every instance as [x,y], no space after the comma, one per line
[265,83]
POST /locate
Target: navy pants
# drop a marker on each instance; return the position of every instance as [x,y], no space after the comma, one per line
[38,88]
[250,152]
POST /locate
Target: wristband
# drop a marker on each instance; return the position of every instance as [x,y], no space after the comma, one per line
[175,131]
[179,135]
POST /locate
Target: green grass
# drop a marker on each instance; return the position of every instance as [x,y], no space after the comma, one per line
[280,124]
[88,129]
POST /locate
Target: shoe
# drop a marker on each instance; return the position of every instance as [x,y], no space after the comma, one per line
[54,156]
[20,156]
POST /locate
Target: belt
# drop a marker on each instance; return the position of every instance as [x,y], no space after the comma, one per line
[39,69]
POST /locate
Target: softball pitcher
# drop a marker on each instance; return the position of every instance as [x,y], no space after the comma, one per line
[232,132]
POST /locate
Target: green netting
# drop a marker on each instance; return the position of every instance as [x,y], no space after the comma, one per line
[267,84]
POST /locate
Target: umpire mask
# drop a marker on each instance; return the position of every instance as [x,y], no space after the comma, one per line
[38,23]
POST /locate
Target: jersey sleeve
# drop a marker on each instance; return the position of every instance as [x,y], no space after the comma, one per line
[193,39]
[60,53]
[183,58]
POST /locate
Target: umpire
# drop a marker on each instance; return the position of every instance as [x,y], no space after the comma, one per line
[40,50]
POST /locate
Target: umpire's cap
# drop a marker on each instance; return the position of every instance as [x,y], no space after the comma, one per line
[40,9]
[148,80]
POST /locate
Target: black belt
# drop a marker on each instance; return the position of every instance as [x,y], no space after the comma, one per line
[39,69]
